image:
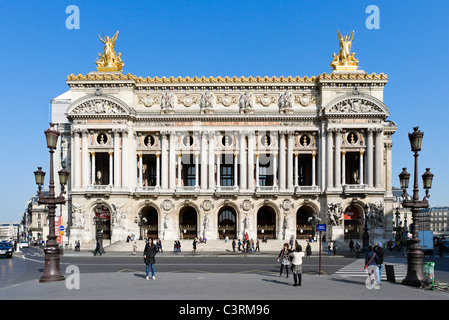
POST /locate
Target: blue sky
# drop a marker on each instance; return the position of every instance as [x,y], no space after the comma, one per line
[220,38]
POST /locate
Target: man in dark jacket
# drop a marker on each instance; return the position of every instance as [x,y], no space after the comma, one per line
[380,255]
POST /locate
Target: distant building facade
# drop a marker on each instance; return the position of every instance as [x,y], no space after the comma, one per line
[435,219]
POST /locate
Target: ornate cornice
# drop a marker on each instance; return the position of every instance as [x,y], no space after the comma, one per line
[237,80]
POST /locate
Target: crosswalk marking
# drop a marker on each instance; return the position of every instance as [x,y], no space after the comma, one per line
[356,269]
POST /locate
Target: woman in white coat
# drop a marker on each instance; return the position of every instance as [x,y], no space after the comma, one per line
[297,256]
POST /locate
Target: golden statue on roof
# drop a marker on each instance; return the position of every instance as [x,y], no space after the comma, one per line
[109,61]
[345,60]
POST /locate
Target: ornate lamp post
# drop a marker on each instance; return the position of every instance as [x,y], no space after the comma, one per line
[398,227]
[365,237]
[52,271]
[99,225]
[415,255]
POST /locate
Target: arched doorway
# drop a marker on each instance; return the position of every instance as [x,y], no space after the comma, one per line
[353,222]
[304,226]
[227,226]
[266,222]
[149,222]
[102,225]
[188,221]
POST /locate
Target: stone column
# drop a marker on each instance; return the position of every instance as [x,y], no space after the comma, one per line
[290,169]
[379,159]
[179,169]
[275,168]
[251,136]
[343,167]
[338,139]
[117,165]
[257,170]
[92,181]
[369,158]
[218,169]
[211,161]
[140,170]
[158,170]
[196,169]
[172,161]
[282,161]
[164,161]
[125,162]
[313,169]
[203,161]
[296,170]
[361,168]
[85,159]
[329,157]
[322,158]
[76,163]
[235,170]
[242,157]
[111,167]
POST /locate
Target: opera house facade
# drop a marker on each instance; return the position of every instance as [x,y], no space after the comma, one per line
[177,158]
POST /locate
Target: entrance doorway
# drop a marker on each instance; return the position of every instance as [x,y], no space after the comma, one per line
[149,223]
[304,227]
[227,223]
[266,223]
[188,221]
[353,223]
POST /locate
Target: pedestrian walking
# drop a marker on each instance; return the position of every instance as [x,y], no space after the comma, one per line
[351,246]
[257,246]
[159,246]
[334,247]
[330,247]
[194,245]
[233,245]
[149,254]
[240,244]
[134,248]
[380,254]
[97,249]
[308,250]
[175,246]
[357,249]
[371,262]
[297,265]
[284,259]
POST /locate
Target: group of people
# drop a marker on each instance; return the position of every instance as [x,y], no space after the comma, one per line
[354,248]
[246,246]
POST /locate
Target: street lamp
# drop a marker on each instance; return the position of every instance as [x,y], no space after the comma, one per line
[52,271]
[99,222]
[365,236]
[415,255]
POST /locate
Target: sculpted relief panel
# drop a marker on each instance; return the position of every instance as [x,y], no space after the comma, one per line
[99,106]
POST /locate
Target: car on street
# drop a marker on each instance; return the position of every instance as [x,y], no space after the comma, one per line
[6,249]
[24,244]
